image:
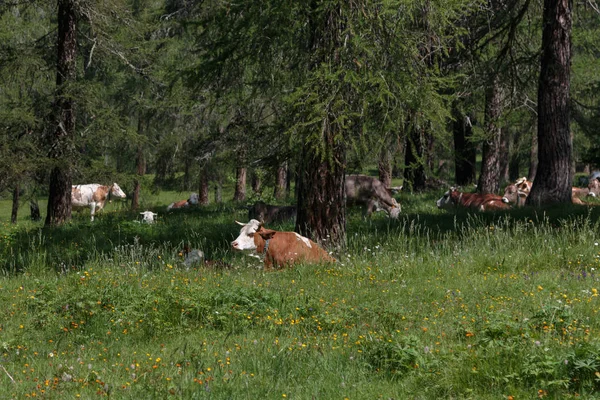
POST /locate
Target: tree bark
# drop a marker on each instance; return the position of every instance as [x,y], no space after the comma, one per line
[59,200]
[385,166]
[554,179]
[218,192]
[256,183]
[489,179]
[15,205]
[321,192]
[240,184]
[414,160]
[203,199]
[533,158]
[186,174]
[465,152]
[281,181]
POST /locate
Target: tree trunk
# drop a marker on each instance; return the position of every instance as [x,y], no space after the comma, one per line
[15,205]
[281,181]
[203,199]
[554,179]
[514,162]
[256,183]
[533,158]
[504,155]
[414,160]
[59,200]
[385,166]
[465,152]
[140,166]
[218,192]
[186,174]
[34,210]
[489,179]
[321,193]
[240,184]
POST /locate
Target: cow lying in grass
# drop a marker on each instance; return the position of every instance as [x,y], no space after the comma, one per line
[279,249]
[148,217]
[476,201]
[516,193]
[193,200]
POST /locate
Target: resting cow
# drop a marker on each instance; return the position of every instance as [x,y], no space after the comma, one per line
[371,192]
[94,196]
[269,213]
[193,200]
[516,193]
[148,217]
[278,249]
[477,201]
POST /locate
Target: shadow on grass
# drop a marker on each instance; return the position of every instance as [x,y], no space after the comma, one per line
[212,229]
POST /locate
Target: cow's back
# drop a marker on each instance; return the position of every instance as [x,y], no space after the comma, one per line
[287,248]
[83,195]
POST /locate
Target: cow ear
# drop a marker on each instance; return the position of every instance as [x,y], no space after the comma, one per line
[267,233]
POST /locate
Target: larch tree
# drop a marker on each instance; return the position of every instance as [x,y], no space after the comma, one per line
[554,178]
[59,199]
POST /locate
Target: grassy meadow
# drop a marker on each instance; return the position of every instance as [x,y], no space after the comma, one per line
[434,305]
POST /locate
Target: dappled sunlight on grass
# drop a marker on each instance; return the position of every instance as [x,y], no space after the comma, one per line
[434,305]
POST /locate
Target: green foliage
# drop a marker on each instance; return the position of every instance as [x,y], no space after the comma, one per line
[412,306]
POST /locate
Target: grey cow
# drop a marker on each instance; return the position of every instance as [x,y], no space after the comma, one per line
[267,213]
[371,192]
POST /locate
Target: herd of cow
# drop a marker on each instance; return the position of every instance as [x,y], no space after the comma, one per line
[515,195]
[278,249]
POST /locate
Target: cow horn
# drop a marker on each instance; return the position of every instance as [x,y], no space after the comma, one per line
[239,223]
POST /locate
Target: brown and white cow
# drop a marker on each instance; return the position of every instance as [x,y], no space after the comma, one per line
[192,200]
[94,195]
[269,213]
[477,201]
[516,193]
[279,249]
[371,192]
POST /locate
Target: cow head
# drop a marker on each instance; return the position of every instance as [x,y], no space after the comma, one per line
[194,199]
[245,241]
[517,192]
[513,195]
[148,217]
[116,191]
[446,200]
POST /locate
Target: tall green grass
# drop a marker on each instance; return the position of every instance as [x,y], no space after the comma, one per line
[434,305]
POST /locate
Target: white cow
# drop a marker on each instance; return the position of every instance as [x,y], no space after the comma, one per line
[148,217]
[94,195]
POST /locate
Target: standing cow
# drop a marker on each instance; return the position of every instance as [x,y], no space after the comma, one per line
[371,192]
[94,196]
